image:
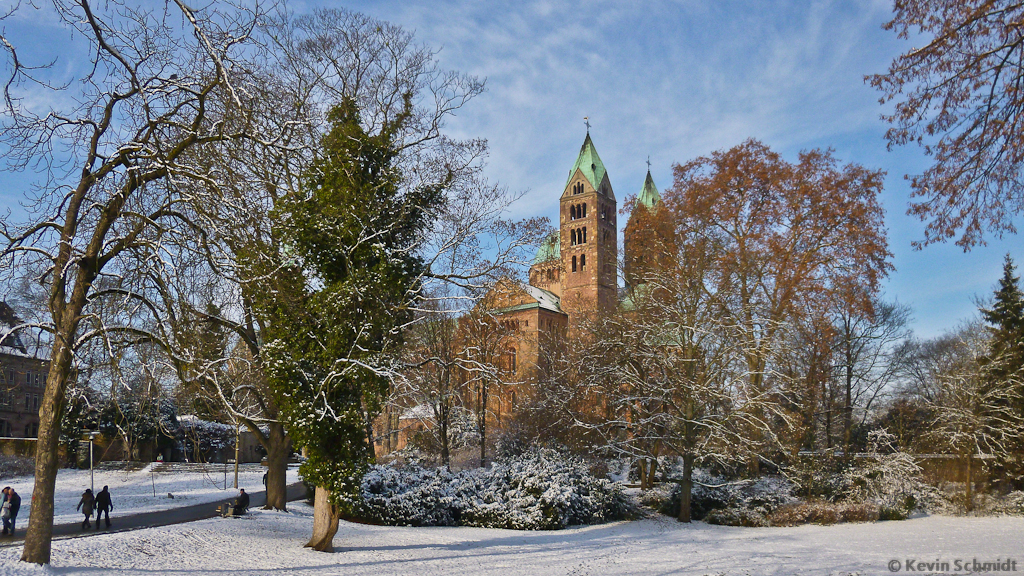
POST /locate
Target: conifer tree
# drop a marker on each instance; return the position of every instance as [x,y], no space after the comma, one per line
[1006,317]
[336,308]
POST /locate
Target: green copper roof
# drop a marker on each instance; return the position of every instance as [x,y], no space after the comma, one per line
[551,249]
[649,196]
[590,163]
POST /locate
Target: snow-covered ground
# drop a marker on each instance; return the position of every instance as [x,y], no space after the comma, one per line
[271,542]
[140,491]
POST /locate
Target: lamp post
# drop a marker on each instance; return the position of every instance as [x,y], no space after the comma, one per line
[236,454]
[92,480]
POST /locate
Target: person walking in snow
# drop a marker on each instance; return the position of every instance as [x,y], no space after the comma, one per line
[11,503]
[86,504]
[103,506]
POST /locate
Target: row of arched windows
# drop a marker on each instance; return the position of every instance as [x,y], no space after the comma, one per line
[513,325]
[578,236]
[582,263]
[577,211]
[577,188]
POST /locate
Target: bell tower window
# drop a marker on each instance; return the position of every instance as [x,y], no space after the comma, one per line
[583,262]
[573,269]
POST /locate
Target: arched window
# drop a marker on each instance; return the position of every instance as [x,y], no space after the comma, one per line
[584,241]
[584,211]
[583,262]
[573,263]
[510,359]
[572,212]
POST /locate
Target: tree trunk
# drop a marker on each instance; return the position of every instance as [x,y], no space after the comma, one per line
[368,424]
[686,491]
[828,414]
[442,430]
[277,468]
[848,402]
[325,522]
[969,485]
[40,521]
[483,426]
[642,467]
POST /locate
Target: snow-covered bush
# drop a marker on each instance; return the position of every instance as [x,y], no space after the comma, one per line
[889,479]
[203,440]
[541,489]
[1014,503]
[737,517]
[11,466]
[413,496]
[714,493]
[823,512]
[822,476]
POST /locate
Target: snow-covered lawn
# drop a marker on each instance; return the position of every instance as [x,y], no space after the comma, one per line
[271,542]
[133,492]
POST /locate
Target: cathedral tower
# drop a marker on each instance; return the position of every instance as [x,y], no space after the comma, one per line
[647,238]
[588,239]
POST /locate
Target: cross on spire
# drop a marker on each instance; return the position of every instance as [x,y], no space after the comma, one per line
[648,162]
[586,120]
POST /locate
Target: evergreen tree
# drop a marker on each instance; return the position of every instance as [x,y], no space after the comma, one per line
[336,307]
[1006,317]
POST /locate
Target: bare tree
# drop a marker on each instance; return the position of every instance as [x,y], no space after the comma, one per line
[668,377]
[779,239]
[972,414]
[113,153]
[869,357]
[958,96]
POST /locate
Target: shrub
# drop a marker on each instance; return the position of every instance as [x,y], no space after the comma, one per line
[823,512]
[1014,503]
[737,517]
[540,489]
[821,476]
[11,466]
[411,497]
[714,493]
[891,480]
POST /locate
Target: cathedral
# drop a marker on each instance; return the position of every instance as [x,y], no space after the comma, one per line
[574,276]
[576,270]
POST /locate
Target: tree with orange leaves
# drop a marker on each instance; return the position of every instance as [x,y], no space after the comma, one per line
[781,239]
[961,97]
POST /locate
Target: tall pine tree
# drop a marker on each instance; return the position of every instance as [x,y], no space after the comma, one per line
[335,308]
[1006,319]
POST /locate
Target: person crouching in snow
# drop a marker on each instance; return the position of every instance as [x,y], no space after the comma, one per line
[86,504]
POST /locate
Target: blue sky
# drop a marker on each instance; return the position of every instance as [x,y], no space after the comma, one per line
[674,80]
[680,79]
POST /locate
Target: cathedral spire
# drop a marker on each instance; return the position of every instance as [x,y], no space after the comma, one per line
[589,163]
[649,196]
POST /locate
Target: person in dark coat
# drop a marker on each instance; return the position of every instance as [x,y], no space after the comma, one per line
[241,503]
[85,505]
[103,505]
[12,511]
